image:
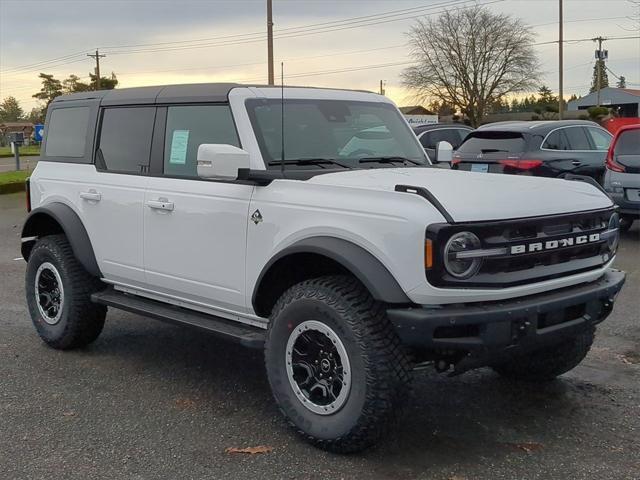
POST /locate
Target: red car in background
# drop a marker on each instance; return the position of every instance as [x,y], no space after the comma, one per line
[615,124]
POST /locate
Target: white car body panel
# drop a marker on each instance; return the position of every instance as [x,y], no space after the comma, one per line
[114,223]
[197,251]
[473,197]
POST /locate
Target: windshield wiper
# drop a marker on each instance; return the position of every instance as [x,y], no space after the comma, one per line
[492,150]
[311,161]
[388,160]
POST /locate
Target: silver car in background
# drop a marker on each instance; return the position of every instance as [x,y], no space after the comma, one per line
[622,176]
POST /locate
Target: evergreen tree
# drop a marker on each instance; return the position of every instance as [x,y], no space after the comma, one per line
[604,78]
[10,110]
[51,88]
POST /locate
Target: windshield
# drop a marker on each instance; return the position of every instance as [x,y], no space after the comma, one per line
[332,132]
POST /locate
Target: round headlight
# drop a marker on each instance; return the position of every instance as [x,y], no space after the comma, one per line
[614,233]
[461,267]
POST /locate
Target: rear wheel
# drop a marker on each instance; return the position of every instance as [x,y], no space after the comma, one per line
[58,293]
[335,365]
[547,363]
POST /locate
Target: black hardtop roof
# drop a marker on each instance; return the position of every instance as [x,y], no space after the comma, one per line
[537,127]
[185,93]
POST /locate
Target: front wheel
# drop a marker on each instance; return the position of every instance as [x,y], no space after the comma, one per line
[335,365]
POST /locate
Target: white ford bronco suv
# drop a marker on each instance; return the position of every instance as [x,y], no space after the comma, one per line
[311,223]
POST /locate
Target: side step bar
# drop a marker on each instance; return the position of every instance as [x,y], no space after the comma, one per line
[246,335]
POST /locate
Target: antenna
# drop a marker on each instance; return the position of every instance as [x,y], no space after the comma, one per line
[282,157]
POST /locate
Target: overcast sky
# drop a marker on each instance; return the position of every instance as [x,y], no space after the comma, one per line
[139,38]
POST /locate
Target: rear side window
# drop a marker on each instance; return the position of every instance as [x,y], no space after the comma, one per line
[627,150]
[578,139]
[125,139]
[493,142]
[601,139]
[452,135]
[628,143]
[67,132]
[188,127]
[557,140]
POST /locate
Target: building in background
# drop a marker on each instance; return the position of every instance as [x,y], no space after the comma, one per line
[624,102]
[6,128]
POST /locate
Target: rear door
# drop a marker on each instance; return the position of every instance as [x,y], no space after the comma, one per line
[576,149]
[195,230]
[111,197]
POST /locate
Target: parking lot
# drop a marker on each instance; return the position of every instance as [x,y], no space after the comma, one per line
[150,400]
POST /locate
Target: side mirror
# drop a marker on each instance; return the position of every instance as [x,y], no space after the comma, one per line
[221,162]
[444,152]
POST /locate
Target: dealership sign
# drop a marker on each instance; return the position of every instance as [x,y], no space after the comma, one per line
[417,120]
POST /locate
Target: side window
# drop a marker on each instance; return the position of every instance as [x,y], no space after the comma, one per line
[601,139]
[577,138]
[125,139]
[190,126]
[67,132]
[557,140]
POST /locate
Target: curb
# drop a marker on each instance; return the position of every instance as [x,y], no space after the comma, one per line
[12,187]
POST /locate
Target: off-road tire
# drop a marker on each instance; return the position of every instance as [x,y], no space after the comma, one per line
[546,364]
[626,223]
[380,369]
[81,320]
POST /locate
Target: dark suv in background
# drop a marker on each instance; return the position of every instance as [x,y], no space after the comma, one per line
[541,148]
[430,135]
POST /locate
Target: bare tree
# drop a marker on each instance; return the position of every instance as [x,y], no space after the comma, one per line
[471,58]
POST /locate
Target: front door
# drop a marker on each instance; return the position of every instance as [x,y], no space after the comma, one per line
[195,230]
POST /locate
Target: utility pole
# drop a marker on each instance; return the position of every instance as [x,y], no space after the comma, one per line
[560,63]
[601,55]
[382,92]
[97,57]
[270,40]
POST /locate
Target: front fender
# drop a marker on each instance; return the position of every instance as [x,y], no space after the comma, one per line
[355,259]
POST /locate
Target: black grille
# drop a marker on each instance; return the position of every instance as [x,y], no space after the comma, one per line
[511,269]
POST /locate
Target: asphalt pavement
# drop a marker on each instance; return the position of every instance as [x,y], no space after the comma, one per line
[149,400]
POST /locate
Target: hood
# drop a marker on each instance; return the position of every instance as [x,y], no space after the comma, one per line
[471,196]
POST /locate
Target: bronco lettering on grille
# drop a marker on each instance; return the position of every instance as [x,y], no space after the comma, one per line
[553,244]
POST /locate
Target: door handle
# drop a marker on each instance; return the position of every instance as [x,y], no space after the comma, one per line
[160,204]
[576,163]
[91,195]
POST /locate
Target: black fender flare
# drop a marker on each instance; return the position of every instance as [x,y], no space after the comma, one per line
[362,264]
[71,226]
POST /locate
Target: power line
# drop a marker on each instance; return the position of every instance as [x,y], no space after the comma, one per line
[292,29]
[578,21]
[288,60]
[343,26]
[334,71]
[40,63]
[577,40]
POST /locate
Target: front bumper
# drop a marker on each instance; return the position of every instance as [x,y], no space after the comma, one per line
[490,330]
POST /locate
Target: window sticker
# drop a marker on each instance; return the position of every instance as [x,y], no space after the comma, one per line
[179,144]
